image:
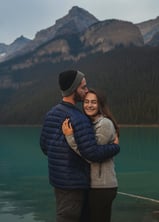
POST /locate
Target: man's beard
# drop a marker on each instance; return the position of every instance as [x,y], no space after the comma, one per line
[77,97]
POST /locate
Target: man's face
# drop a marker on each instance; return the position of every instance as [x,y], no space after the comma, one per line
[81,91]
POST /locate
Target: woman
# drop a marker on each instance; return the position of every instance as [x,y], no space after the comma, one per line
[103,178]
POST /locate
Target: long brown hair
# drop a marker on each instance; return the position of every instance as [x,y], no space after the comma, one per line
[104,108]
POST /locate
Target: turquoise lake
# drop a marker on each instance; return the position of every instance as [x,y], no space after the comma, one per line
[26,196]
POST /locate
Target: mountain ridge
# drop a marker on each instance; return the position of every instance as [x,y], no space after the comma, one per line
[74,36]
[76,21]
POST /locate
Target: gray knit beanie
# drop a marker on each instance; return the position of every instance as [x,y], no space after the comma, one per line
[69,81]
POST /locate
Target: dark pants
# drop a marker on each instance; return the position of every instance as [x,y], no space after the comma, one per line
[100,204]
[70,205]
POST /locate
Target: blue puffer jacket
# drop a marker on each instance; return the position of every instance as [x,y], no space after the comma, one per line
[67,170]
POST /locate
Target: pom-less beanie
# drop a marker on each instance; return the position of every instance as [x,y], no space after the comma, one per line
[69,81]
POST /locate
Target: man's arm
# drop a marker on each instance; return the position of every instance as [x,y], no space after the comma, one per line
[87,144]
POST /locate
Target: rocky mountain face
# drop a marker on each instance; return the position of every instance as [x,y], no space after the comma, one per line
[105,36]
[99,37]
[76,21]
[75,36]
[149,29]
[8,50]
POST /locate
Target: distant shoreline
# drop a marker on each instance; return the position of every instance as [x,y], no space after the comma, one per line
[138,125]
[120,125]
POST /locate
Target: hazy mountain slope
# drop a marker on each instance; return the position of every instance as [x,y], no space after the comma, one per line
[129,77]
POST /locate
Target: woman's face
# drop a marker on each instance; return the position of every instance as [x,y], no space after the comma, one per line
[90,105]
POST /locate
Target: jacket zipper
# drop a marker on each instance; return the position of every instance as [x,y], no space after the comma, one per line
[100,169]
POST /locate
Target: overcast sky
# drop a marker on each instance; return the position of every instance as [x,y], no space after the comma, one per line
[26,17]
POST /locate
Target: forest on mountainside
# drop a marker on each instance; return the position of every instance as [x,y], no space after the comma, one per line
[128,76]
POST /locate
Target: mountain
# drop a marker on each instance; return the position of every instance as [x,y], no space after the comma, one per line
[6,51]
[75,36]
[2,48]
[99,37]
[105,36]
[149,29]
[76,21]
[112,53]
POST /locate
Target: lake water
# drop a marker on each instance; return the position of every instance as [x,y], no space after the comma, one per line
[26,196]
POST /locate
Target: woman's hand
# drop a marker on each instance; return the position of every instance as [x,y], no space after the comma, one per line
[116,140]
[67,128]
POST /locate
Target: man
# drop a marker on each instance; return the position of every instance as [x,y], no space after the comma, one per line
[69,174]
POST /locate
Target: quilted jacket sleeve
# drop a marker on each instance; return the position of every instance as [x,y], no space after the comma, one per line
[87,144]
